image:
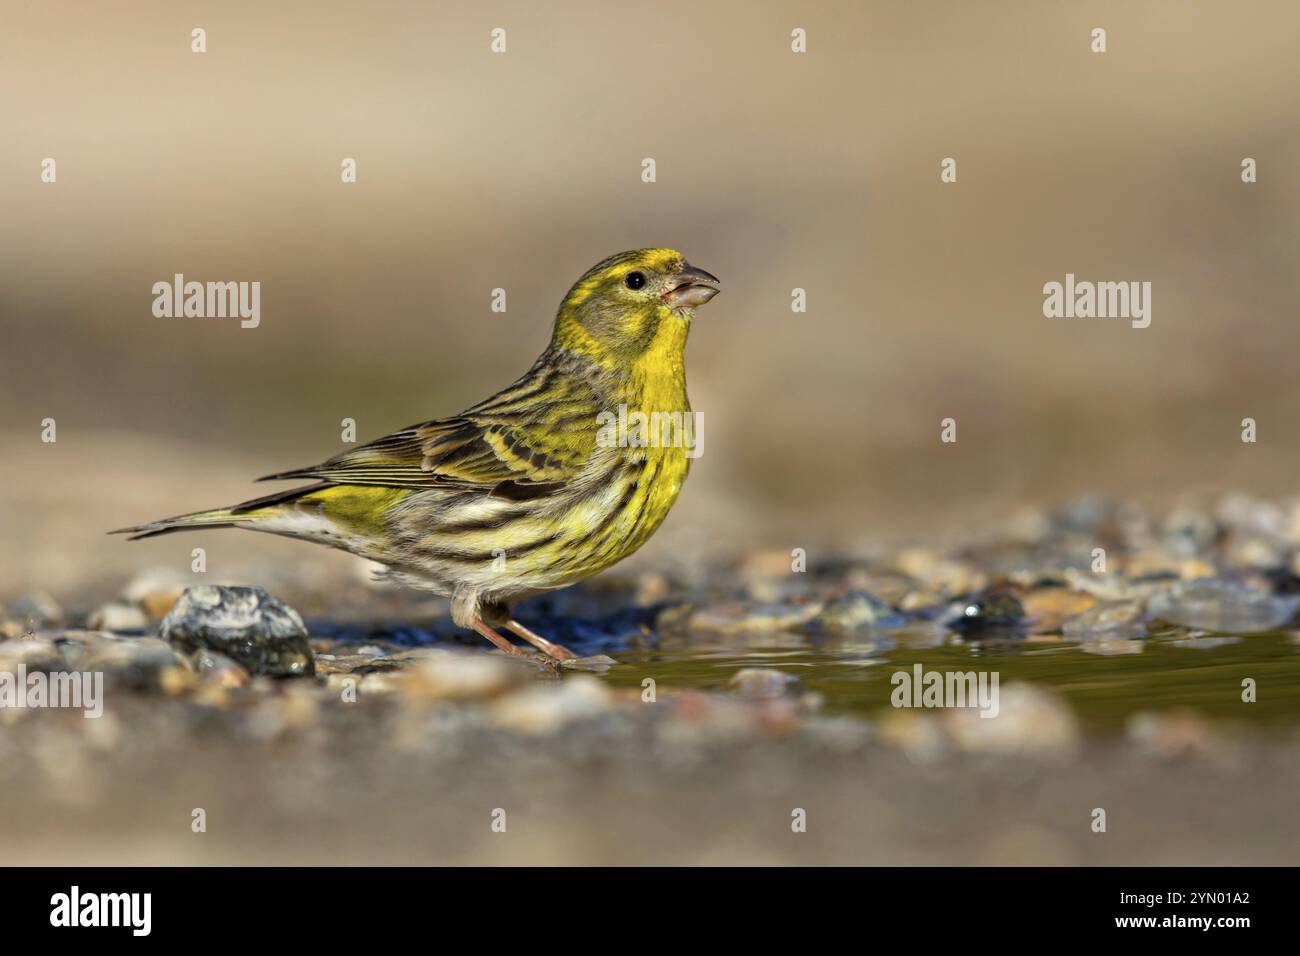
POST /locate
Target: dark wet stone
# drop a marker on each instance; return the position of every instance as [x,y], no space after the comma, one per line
[1212,604]
[1284,581]
[260,632]
[992,617]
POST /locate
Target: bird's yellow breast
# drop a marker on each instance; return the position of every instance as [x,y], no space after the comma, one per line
[660,434]
[656,433]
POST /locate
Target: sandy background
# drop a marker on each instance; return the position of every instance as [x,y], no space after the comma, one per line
[520,170]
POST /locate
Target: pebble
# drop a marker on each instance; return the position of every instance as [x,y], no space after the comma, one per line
[1256,553]
[1206,643]
[379,683]
[1252,516]
[118,617]
[296,708]
[768,576]
[225,640]
[218,669]
[652,588]
[592,664]
[920,736]
[947,575]
[1107,587]
[1157,567]
[37,609]
[921,599]
[993,617]
[1083,514]
[259,631]
[1049,608]
[156,591]
[137,663]
[1029,525]
[761,683]
[919,634]
[1113,647]
[1173,734]
[544,709]
[1031,721]
[1106,622]
[890,586]
[738,618]
[455,676]
[1212,604]
[855,611]
[1188,532]
[765,563]
[31,653]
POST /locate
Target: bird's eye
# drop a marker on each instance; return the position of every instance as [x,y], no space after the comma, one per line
[635,280]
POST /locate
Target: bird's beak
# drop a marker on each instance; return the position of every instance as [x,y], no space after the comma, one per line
[690,287]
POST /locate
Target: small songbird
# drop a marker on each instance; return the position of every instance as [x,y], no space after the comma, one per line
[532,489]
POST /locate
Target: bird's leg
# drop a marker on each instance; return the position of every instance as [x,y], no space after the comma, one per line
[479,625]
[558,651]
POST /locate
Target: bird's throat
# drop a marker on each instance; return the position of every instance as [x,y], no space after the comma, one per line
[656,380]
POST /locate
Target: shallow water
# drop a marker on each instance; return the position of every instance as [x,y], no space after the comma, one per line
[1105,683]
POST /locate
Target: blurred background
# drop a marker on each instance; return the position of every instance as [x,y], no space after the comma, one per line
[775,171]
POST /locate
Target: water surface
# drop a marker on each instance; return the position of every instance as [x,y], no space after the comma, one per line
[1104,683]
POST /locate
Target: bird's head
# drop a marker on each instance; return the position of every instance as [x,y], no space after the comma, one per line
[632,304]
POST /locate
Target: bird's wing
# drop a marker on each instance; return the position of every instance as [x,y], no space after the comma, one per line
[531,439]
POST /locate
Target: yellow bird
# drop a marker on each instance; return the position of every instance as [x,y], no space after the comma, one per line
[532,489]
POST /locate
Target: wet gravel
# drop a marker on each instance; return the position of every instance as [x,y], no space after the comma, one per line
[699,715]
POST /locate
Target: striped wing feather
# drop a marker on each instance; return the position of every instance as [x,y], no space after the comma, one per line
[531,439]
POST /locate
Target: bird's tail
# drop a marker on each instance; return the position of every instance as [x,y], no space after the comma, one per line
[244,514]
